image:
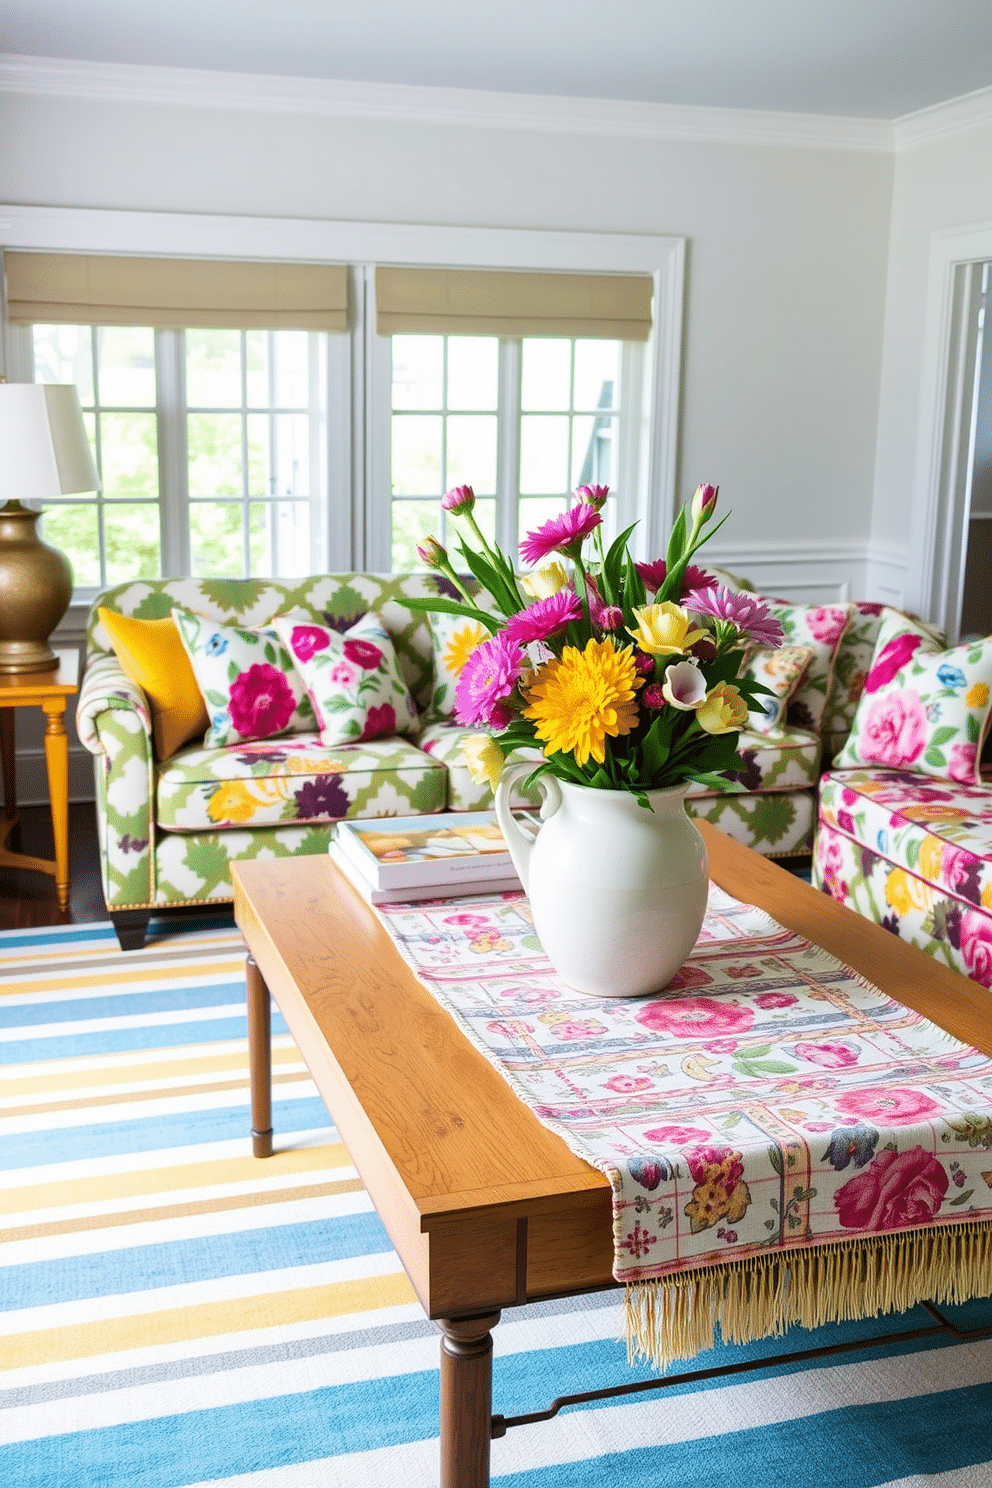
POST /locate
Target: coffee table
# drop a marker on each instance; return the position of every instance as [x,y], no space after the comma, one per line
[485,1207]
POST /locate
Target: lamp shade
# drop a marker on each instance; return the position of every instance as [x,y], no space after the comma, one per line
[44,453]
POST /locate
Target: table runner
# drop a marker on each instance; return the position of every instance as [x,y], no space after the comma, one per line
[785,1143]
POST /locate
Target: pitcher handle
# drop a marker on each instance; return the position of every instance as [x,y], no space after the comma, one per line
[519,842]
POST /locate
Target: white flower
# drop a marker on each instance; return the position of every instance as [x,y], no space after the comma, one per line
[684,686]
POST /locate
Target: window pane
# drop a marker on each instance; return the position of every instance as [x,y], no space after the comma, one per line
[597,374]
[213,369]
[534,514]
[292,369]
[74,530]
[291,454]
[129,454]
[131,541]
[216,539]
[593,448]
[416,455]
[418,371]
[546,374]
[472,452]
[257,368]
[259,455]
[473,372]
[65,354]
[279,539]
[126,366]
[543,454]
[214,442]
[412,522]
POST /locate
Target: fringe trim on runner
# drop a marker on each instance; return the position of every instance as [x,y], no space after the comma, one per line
[762,1296]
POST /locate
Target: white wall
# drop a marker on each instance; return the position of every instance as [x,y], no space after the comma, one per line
[941,183]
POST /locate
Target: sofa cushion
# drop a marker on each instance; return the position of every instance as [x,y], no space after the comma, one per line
[922,709]
[352,679]
[295,780]
[249,683]
[820,627]
[851,666]
[152,654]
[454,638]
[781,669]
[780,760]
[443,742]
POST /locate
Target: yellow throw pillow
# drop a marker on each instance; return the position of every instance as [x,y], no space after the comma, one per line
[154,658]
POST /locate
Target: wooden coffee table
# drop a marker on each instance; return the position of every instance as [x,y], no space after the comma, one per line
[486,1208]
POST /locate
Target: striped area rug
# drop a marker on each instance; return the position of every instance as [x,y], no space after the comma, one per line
[174,1313]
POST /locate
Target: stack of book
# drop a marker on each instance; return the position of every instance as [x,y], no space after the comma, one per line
[403,858]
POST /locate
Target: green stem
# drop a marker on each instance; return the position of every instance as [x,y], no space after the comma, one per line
[449,573]
[470,518]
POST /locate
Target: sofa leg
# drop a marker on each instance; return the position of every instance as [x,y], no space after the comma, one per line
[131,925]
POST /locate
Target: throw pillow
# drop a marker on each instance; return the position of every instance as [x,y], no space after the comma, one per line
[781,669]
[851,666]
[354,682]
[820,627]
[247,678]
[454,638]
[151,653]
[922,709]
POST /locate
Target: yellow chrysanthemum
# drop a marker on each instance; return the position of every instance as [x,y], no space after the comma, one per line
[233,801]
[483,759]
[665,629]
[723,711]
[978,695]
[461,645]
[580,700]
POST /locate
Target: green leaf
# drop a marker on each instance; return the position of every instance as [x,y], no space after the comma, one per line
[934,757]
[441,606]
[962,1198]
[943,735]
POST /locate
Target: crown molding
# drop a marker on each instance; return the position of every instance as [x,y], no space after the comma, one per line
[934,123]
[461,108]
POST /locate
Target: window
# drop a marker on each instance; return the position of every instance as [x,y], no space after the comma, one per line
[211,445]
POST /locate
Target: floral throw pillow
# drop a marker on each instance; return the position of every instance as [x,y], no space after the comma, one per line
[820,627]
[454,638]
[353,679]
[922,709]
[781,669]
[247,678]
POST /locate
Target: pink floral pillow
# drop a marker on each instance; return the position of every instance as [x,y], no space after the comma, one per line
[247,678]
[781,669]
[922,709]
[820,627]
[354,682]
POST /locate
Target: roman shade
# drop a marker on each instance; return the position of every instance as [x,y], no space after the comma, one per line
[104,289]
[480,302]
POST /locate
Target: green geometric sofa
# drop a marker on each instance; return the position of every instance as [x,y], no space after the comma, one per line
[169,830]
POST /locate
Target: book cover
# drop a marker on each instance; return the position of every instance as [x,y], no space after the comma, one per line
[416,892]
[451,847]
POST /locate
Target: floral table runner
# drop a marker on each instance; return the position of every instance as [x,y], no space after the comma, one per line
[768,1103]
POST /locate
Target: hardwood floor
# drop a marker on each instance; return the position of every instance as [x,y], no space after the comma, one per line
[28,899]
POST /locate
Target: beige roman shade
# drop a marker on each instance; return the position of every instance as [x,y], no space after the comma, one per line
[102,289]
[480,302]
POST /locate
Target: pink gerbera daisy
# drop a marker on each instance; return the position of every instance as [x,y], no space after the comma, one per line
[562,534]
[486,679]
[654,575]
[744,611]
[544,618]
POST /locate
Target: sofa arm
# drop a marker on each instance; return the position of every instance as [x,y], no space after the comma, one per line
[114,723]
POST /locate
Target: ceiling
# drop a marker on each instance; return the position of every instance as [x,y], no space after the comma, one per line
[871,59]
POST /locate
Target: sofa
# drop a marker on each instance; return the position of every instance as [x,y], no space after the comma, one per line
[170,823]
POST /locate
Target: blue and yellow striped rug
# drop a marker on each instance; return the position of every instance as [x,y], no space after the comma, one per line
[173,1312]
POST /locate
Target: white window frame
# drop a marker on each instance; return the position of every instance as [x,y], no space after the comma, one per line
[355,535]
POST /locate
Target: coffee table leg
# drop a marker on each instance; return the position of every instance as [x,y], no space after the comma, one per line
[466,1400]
[259,1059]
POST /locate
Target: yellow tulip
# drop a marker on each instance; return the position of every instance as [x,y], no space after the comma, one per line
[664,630]
[723,711]
[541,583]
[483,759]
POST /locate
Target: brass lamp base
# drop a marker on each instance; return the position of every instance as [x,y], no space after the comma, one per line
[35,590]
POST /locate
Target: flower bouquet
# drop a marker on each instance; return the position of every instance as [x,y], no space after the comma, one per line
[626,676]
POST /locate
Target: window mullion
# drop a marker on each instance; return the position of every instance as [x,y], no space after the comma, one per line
[508,446]
[173,461]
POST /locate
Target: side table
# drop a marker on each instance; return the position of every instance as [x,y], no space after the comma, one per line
[50,692]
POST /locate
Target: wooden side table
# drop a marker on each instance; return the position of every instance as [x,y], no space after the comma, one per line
[50,692]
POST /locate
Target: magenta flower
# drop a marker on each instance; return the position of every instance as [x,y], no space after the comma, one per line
[890,660]
[610,617]
[379,722]
[563,534]
[828,1056]
[543,618]
[976,946]
[775,999]
[695,1017]
[306,639]
[459,499]
[594,496]
[888,1106]
[486,681]
[747,613]
[894,729]
[643,663]
[363,654]
[653,574]
[704,502]
[262,702]
[431,553]
[900,1190]
[653,697]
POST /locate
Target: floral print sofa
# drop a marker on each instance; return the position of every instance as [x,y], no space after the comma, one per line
[170,828]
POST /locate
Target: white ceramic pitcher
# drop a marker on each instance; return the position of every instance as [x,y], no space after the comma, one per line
[618,892]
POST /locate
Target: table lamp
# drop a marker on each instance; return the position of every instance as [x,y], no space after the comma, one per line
[44,452]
